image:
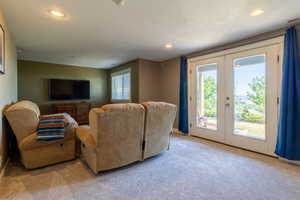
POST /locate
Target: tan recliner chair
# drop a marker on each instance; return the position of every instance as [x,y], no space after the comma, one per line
[23,117]
[114,137]
[159,122]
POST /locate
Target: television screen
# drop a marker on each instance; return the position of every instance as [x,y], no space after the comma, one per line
[69,89]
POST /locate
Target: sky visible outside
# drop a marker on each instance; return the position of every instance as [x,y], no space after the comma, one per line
[243,76]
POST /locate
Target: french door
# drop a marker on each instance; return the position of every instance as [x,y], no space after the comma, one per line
[234,97]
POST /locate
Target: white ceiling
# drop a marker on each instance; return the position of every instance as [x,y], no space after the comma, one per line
[98,33]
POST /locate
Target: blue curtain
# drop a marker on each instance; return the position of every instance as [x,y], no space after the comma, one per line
[288,141]
[183,101]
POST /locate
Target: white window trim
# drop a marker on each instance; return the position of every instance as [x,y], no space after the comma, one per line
[117,74]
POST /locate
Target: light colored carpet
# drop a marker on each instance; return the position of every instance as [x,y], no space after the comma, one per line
[192,169]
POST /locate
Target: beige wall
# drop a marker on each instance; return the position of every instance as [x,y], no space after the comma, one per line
[170,81]
[8,84]
[134,67]
[145,80]
[149,81]
[34,76]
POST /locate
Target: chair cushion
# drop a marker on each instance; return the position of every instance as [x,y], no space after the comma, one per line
[30,142]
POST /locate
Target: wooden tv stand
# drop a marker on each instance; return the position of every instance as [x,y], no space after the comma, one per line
[79,111]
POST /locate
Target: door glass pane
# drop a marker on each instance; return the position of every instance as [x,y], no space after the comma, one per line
[250,96]
[207,96]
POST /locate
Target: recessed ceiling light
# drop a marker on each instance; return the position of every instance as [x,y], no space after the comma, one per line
[119,2]
[168,46]
[56,13]
[257,12]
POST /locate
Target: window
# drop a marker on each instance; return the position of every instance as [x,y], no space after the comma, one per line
[250,96]
[207,96]
[120,85]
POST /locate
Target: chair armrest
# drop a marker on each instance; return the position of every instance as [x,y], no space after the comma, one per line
[30,142]
[84,135]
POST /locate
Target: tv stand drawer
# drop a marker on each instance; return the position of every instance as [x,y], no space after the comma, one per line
[79,111]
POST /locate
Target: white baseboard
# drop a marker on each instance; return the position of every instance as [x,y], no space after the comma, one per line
[289,161]
[176,131]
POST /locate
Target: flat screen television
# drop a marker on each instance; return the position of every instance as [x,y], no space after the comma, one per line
[60,89]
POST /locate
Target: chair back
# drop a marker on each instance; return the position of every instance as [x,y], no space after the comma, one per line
[23,118]
[159,122]
[118,132]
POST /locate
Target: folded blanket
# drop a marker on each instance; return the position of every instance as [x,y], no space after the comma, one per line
[51,127]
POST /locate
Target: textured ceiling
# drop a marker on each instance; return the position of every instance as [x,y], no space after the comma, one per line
[98,33]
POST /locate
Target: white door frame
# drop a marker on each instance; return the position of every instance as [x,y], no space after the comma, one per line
[272,69]
[277,40]
[218,55]
[216,135]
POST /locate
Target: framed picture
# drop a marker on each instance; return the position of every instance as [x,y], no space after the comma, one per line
[2,50]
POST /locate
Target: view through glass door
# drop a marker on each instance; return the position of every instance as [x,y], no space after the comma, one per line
[207,79]
[234,98]
[249,96]
[207,92]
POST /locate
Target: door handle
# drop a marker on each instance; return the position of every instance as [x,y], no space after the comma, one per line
[227,104]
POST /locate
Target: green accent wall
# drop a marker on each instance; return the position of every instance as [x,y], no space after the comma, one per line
[134,66]
[33,79]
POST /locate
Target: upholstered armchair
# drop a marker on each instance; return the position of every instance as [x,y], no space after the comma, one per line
[114,137]
[159,122]
[23,118]
[120,134]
